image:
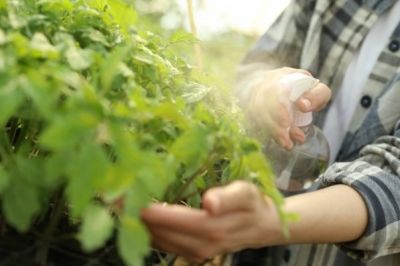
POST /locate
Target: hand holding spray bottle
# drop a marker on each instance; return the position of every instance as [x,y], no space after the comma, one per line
[298,168]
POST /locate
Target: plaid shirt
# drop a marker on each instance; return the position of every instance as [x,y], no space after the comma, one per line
[322,36]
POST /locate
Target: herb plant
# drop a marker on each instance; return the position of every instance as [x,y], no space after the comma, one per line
[98,120]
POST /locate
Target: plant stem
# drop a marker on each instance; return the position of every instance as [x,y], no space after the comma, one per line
[189,181]
[42,252]
[204,168]
[194,193]
[197,48]
[188,196]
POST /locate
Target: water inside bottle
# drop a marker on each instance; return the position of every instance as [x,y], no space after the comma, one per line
[300,172]
[297,170]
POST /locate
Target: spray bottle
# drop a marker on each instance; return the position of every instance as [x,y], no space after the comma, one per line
[297,169]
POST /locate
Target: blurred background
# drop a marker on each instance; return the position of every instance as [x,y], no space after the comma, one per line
[226,28]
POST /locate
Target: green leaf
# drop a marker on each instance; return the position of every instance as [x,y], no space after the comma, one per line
[41,47]
[3,37]
[112,65]
[96,36]
[136,199]
[30,169]
[182,37]
[260,170]
[3,58]
[20,43]
[123,14]
[85,170]
[203,113]
[195,92]
[193,147]
[20,204]
[77,58]
[70,78]
[172,112]
[133,241]
[154,171]
[4,179]
[55,169]
[96,229]
[10,99]
[120,175]
[65,132]
[38,89]
[15,20]
[56,7]
[257,163]
[250,146]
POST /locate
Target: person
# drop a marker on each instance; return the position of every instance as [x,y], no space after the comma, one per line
[353,215]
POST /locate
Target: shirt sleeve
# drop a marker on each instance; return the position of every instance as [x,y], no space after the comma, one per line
[376,177]
[280,46]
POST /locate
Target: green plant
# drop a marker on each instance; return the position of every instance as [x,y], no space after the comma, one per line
[94,113]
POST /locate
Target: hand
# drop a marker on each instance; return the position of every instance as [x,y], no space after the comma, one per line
[233,217]
[267,111]
[237,216]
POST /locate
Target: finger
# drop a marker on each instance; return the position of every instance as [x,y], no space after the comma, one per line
[282,137]
[206,245]
[315,99]
[279,133]
[185,220]
[277,128]
[281,116]
[238,196]
[297,135]
[197,249]
[173,216]
[193,248]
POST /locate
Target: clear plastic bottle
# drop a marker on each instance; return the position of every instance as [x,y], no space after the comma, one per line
[297,169]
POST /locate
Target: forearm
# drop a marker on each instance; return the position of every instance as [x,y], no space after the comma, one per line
[331,215]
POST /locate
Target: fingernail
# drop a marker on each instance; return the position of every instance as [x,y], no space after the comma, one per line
[306,103]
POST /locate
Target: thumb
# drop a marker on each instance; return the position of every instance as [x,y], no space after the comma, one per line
[237,196]
[314,99]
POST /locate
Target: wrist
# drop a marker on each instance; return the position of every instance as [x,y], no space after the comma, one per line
[272,226]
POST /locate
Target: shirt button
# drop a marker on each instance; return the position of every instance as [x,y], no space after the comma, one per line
[394,46]
[366,101]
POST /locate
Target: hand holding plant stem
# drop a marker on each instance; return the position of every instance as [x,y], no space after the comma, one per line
[238,216]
